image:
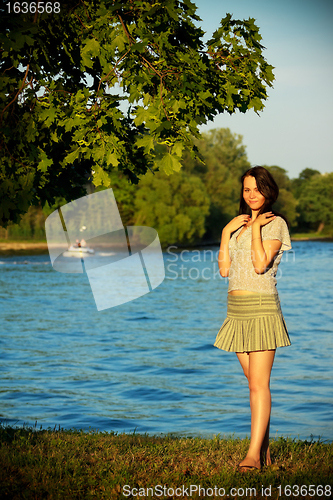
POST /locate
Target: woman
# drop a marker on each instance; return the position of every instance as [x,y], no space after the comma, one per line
[250,252]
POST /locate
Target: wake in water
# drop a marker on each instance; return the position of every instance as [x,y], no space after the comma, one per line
[14,262]
[21,262]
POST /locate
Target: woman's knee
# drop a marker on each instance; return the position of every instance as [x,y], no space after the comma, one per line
[257,384]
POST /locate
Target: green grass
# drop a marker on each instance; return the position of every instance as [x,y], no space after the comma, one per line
[72,464]
[22,240]
[300,236]
[296,236]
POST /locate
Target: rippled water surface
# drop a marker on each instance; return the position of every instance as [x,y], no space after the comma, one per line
[150,365]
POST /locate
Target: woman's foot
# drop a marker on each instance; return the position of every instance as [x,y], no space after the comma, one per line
[266,457]
[248,464]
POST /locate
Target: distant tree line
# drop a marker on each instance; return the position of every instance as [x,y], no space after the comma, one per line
[193,205]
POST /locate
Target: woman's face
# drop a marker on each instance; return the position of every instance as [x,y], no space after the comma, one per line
[253,198]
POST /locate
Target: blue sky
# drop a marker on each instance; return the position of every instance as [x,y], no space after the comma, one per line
[295,130]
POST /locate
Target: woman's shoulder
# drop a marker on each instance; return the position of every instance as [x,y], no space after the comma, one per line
[277,229]
[278,222]
[275,226]
[281,220]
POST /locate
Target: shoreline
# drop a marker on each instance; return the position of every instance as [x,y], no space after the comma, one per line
[17,246]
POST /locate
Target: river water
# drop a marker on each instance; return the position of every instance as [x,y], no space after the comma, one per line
[149,365]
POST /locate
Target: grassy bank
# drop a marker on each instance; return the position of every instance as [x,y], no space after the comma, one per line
[58,464]
[26,244]
[22,243]
[311,236]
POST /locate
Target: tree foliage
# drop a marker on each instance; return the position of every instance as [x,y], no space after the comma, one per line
[225,160]
[176,206]
[286,202]
[298,184]
[96,87]
[315,201]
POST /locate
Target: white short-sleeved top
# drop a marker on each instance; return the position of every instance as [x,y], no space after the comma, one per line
[242,275]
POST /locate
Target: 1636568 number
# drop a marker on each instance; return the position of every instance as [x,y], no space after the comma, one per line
[305,490]
[33,7]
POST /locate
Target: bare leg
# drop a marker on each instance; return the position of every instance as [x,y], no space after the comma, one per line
[244,360]
[265,453]
[257,368]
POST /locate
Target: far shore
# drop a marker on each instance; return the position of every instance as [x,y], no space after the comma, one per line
[41,246]
[19,245]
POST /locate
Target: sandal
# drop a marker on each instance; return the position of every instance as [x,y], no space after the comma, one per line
[246,468]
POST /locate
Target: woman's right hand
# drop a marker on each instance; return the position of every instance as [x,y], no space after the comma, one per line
[236,223]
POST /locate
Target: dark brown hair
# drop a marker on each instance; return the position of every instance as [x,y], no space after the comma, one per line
[266,186]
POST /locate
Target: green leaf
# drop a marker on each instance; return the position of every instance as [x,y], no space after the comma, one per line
[135,95]
[146,142]
[177,149]
[48,115]
[91,49]
[170,164]
[100,177]
[141,116]
[44,163]
[71,157]
[119,42]
[256,104]
[112,159]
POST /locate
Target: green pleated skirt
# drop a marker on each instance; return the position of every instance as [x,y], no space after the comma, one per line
[254,322]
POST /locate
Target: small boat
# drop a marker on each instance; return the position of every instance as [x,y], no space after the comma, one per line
[76,251]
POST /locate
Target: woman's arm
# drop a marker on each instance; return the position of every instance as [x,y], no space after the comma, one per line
[224,260]
[263,252]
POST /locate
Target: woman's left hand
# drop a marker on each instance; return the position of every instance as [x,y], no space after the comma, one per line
[264,219]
